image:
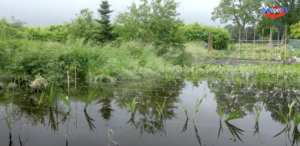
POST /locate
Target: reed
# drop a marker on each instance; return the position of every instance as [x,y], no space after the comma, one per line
[198,102]
[234,115]
[132,106]
[89,99]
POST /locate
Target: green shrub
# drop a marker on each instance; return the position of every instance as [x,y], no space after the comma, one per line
[199,32]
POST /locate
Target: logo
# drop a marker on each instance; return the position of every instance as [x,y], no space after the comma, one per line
[275,12]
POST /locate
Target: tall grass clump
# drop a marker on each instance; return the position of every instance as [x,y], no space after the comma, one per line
[89,99]
[129,60]
[198,102]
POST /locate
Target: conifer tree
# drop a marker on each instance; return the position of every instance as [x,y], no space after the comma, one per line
[104,29]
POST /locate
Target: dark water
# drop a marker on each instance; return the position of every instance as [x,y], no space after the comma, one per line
[108,110]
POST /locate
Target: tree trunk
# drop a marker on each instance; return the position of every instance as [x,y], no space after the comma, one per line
[271,32]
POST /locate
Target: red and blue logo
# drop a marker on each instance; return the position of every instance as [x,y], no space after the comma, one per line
[275,12]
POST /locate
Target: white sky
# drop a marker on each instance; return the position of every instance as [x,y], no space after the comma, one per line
[46,12]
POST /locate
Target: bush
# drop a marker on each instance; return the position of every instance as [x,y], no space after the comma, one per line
[199,32]
[295,29]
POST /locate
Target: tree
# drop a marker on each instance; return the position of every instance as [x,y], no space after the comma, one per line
[240,12]
[155,23]
[104,28]
[83,26]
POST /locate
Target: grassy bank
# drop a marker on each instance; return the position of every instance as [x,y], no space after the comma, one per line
[27,59]
[243,51]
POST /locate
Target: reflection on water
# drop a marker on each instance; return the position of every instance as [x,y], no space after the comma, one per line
[108,113]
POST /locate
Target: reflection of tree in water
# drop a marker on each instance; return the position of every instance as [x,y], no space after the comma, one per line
[106,109]
[234,96]
[147,95]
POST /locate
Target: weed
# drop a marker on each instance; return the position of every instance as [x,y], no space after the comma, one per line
[160,107]
[185,111]
[89,99]
[132,106]
[65,99]
[234,115]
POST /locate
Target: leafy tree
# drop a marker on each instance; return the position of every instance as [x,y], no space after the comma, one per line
[295,28]
[240,12]
[104,28]
[155,23]
[83,26]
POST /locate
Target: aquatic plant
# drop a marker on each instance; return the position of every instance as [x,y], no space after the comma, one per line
[257,111]
[132,106]
[234,115]
[220,111]
[185,125]
[90,121]
[51,97]
[41,98]
[198,102]
[65,99]
[235,131]
[287,117]
[160,108]
[197,135]
[89,99]
[185,112]
[8,119]
[296,119]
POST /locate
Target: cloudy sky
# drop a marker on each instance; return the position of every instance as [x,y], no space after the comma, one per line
[46,12]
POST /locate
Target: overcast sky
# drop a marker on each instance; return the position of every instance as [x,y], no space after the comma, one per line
[46,12]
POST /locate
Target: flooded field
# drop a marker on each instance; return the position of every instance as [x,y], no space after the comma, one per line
[108,120]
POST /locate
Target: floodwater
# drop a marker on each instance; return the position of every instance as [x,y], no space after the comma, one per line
[42,127]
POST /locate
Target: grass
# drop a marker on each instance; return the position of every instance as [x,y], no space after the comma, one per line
[234,115]
[160,108]
[198,102]
[130,60]
[246,51]
[51,96]
[89,99]
[131,106]
[220,111]
[257,111]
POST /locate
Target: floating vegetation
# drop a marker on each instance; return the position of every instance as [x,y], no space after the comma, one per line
[234,115]
[198,102]
[132,106]
[89,99]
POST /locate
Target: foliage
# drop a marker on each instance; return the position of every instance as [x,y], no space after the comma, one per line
[104,28]
[51,96]
[132,106]
[12,85]
[287,117]
[239,12]
[160,109]
[41,98]
[2,85]
[38,83]
[296,30]
[221,112]
[155,23]
[199,32]
[11,30]
[65,99]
